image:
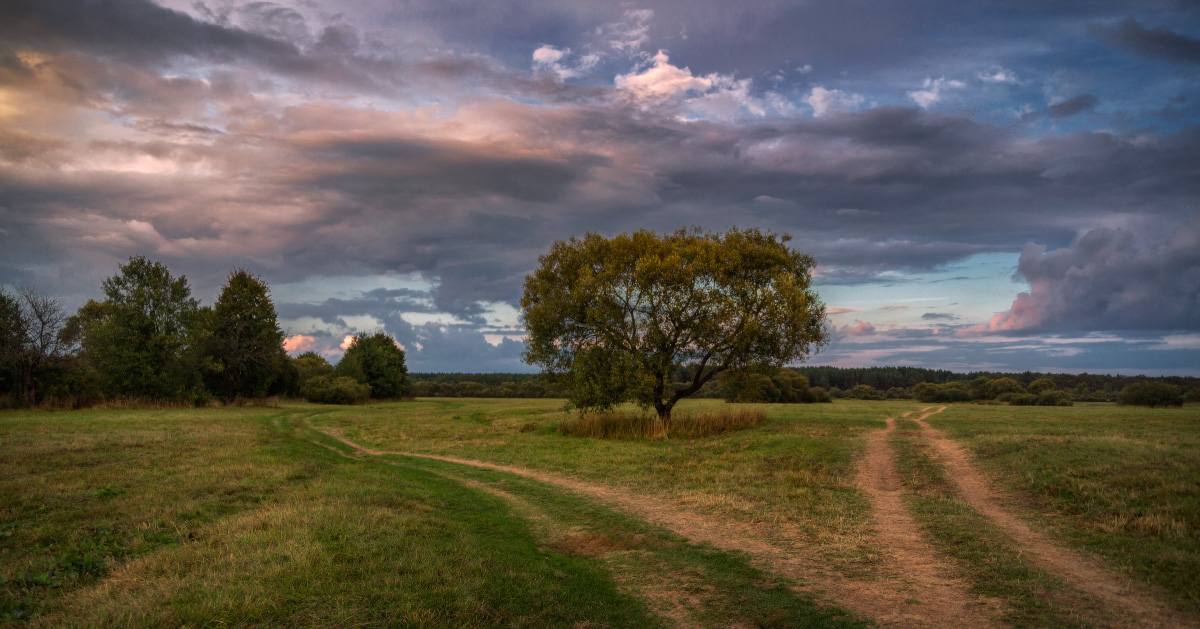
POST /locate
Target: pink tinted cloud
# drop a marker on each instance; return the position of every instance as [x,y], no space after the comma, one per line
[841,310]
[863,328]
[299,343]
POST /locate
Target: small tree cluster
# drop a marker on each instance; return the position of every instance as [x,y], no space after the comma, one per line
[149,339]
[1150,394]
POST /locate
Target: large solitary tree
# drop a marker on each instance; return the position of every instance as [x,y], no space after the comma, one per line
[617,315]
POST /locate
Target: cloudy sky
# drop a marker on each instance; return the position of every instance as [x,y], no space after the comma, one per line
[1006,185]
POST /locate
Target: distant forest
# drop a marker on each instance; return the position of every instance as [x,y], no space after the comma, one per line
[1084,386]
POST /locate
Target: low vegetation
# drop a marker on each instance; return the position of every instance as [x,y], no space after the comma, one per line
[683,425]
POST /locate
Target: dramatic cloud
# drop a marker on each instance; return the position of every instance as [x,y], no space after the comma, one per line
[403,170]
[1109,280]
[1156,43]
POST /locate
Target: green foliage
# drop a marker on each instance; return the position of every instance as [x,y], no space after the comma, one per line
[898,393]
[865,392]
[1054,397]
[1150,394]
[243,344]
[949,392]
[12,343]
[1193,395]
[764,384]
[138,338]
[621,314]
[376,360]
[1000,386]
[1041,385]
[308,366]
[340,390]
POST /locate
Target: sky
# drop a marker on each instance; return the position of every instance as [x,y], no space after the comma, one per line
[1002,186]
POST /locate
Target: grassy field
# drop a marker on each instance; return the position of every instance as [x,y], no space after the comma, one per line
[262,516]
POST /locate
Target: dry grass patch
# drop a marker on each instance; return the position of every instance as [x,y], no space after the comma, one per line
[683,425]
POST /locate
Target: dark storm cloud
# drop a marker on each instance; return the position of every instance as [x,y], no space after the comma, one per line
[413,168]
[1155,43]
[1073,106]
[301,143]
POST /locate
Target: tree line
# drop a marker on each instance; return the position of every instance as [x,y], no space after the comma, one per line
[763,384]
[149,340]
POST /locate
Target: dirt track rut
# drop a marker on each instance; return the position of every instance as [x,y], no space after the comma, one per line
[1127,603]
[896,598]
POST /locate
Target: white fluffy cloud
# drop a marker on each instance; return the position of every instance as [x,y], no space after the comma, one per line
[931,92]
[662,81]
[825,102]
[998,75]
[548,58]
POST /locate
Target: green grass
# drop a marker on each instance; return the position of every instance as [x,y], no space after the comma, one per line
[235,516]
[795,472]
[1122,482]
[987,557]
[245,516]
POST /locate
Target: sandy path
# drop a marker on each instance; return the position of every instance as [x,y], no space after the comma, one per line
[887,599]
[924,571]
[1127,603]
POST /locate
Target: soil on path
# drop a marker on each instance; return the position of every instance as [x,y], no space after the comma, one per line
[945,600]
[901,596]
[1126,603]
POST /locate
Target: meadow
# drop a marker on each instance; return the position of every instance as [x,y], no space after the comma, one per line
[482,512]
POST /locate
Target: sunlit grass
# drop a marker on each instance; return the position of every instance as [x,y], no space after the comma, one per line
[1123,482]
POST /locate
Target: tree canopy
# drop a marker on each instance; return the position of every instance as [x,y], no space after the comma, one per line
[376,360]
[137,339]
[243,344]
[618,315]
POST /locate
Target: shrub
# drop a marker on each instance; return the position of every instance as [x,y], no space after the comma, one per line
[1022,399]
[949,392]
[836,393]
[1054,397]
[341,390]
[1003,386]
[898,393]
[819,394]
[1193,395]
[683,425]
[865,392]
[1150,394]
[1041,385]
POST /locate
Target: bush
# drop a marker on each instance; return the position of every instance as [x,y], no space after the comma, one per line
[865,392]
[949,392]
[1150,394]
[1021,399]
[1041,385]
[684,425]
[836,393]
[341,390]
[1054,397]
[1192,395]
[819,394]
[898,393]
